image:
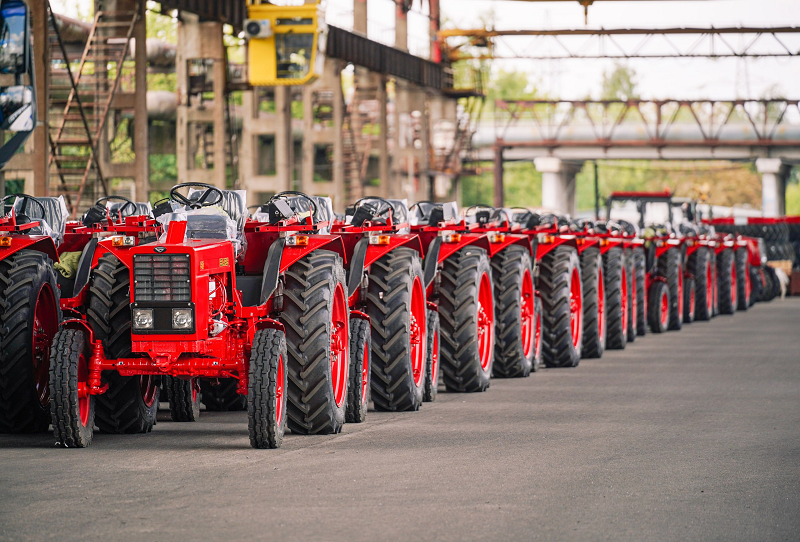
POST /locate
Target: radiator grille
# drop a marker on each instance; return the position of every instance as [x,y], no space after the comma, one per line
[161,277]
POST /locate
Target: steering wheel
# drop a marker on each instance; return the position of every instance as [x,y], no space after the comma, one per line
[419,205]
[126,201]
[389,205]
[285,195]
[202,201]
[26,198]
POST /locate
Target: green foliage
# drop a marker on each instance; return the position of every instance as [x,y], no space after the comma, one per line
[163,169]
[510,85]
[619,84]
[793,192]
[521,182]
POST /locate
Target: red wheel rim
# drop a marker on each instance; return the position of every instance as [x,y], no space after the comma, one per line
[435,360]
[527,315]
[279,392]
[575,308]
[149,389]
[634,302]
[709,289]
[601,304]
[84,399]
[45,326]
[664,308]
[734,292]
[748,284]
[538,334]
[417,331]
[339,345]
[485,322]
[680,292]
[624,301]
[691,302]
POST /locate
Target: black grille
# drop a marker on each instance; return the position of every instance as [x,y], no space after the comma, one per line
[161,277]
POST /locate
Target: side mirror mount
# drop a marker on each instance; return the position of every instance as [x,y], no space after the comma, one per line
[15,40]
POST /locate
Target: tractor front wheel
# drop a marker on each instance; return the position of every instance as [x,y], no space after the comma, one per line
[72,408]
[432,363]
[562,300]
[266,397]
[184,399]
[360,371]
[744,285]
[671,270]
[689,301]
[616,299]
[658,307]
[640,291]
[726,271]
[594,303]
[700,267]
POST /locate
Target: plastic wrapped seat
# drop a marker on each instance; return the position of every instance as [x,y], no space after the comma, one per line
[52,223]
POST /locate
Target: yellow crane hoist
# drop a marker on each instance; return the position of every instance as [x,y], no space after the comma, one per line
[286,44]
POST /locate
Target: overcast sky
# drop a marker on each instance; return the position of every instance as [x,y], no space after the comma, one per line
[575,79]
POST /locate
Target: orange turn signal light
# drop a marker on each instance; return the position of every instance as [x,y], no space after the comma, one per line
[497,238]
[452,238]
[379,240]
[5,241]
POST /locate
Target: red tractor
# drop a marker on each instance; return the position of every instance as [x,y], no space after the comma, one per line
[461,259]
[664,254]
[215,297]
[387,290]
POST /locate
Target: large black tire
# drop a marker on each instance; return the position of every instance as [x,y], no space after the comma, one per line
[657,317]
[130,404]
[394,295]
[594,303]
[266,397]
[775,282]
[27,279]
[537,345]
[726,273]
[69,357]
[757,285]
[715,284]
[360,374]
[309,308]
[466,314]
[432,361]
[770,283]
[631,297]
[514,348]
[670,268]
[184,399]
[222,396]
[699,266]
[616,299]
[742,279]
[689,301]
[641,291]
[557,273]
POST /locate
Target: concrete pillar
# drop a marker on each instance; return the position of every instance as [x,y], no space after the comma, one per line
[498,176]
[773,186]
[383,145]
[284,143]
[141,134]
[360,17]
[41,67]
[558,184]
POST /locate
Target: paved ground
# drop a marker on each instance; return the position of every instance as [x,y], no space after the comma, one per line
[688,436]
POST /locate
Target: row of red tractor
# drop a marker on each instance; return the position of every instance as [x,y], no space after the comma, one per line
[302,317]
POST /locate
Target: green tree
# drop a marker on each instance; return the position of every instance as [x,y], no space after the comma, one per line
[619,84]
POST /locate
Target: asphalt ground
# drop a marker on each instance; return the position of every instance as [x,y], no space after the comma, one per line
[684,436]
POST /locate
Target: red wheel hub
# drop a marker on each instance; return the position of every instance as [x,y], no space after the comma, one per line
[680,293]
[575,308]
[339,345]
[664,308]
[624,301]
[84,399]
[279,392]
[149,389]
[709,289]
[417,331]
[538,334]
[485,322]
[45,326]
[601,304]
[527,315]
[734,289]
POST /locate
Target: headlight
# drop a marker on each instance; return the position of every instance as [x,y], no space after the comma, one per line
[143,318]
[182,319]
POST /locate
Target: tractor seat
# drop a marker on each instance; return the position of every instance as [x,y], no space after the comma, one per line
[142,209]
[54,221]
[204,224]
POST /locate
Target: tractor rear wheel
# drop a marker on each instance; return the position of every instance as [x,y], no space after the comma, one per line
[223,396]
[757,283]
[671,270]
[770,278]
[714,283]
[700,267]
[466,318]
[432,363]
[360,371]
[562,300]
[317,324]
[266,397]
[689,301]
[29,319]
[537,344]
[131,402]
[726,271]
[594,303]
[512,271]
[743,284]
[396,307]
[184,399]
[72,411]
[658,307]
[631,297]
[616,299]
[640,273]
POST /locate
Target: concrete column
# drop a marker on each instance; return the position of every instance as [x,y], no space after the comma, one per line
[41,67]
[360,17]
[383,144]
[498,176]
[141,134]
[338,143]
[773,186]
[401,27]
[558,184]
[284,144]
